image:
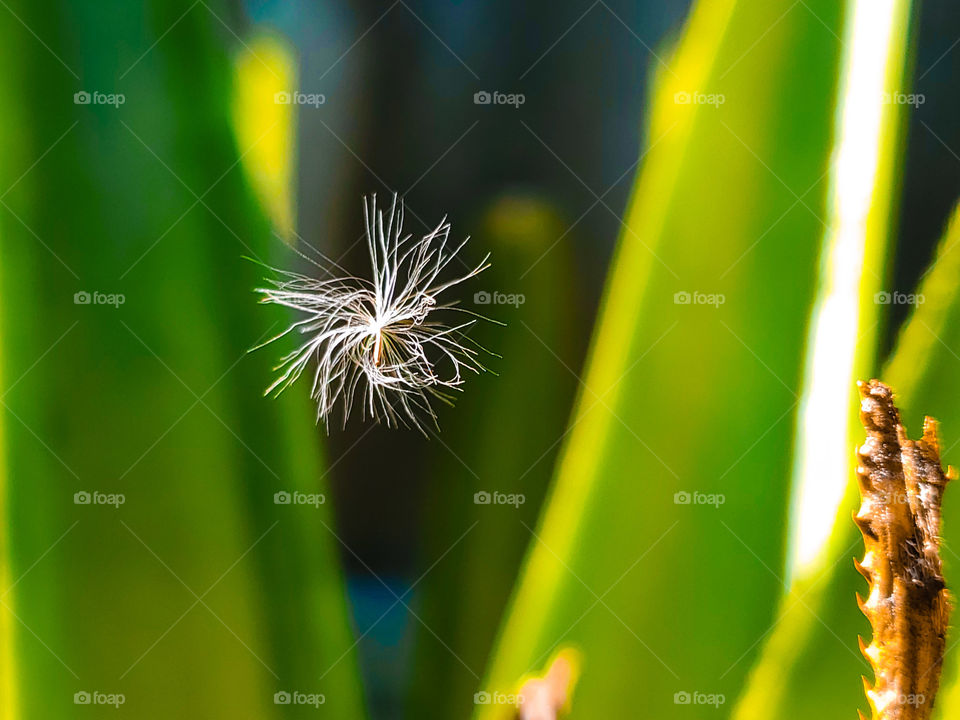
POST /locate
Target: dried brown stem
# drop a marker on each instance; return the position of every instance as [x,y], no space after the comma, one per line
[901,484]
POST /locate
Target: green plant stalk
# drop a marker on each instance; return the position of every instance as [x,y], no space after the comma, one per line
[924,371]
[8,685]
[113,606]
[863,189]
[614,555]
[464,596]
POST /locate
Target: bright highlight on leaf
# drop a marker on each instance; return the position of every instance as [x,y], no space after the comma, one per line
[841,341]
[266,72]
[388,340]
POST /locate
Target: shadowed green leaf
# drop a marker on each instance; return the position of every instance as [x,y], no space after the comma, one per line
[198,596]
[664,532]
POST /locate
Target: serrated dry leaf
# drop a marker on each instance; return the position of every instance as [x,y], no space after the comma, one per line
[901,484]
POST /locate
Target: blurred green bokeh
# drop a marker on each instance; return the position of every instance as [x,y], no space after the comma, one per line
[146,550]
[692,382]
[198,596]
[465,596]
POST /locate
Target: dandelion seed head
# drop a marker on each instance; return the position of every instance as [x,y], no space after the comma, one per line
[388,343]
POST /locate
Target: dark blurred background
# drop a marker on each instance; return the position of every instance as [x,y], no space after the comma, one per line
[400,117]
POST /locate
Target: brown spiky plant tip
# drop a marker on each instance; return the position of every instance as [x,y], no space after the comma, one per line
[901,485]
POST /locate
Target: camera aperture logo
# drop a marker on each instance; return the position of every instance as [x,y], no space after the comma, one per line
[96,697]
[96,97]
[498,298]
[482,97]
[296,697]
[698,698]
[698,498]
[82,297]
[296,97]
[283,497]
[114,500]
[498,498]
[699,298]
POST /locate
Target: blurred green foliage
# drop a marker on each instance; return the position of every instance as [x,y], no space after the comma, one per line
[199,596]
[924,370]
[662,549]
[495,444]
[660,590]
